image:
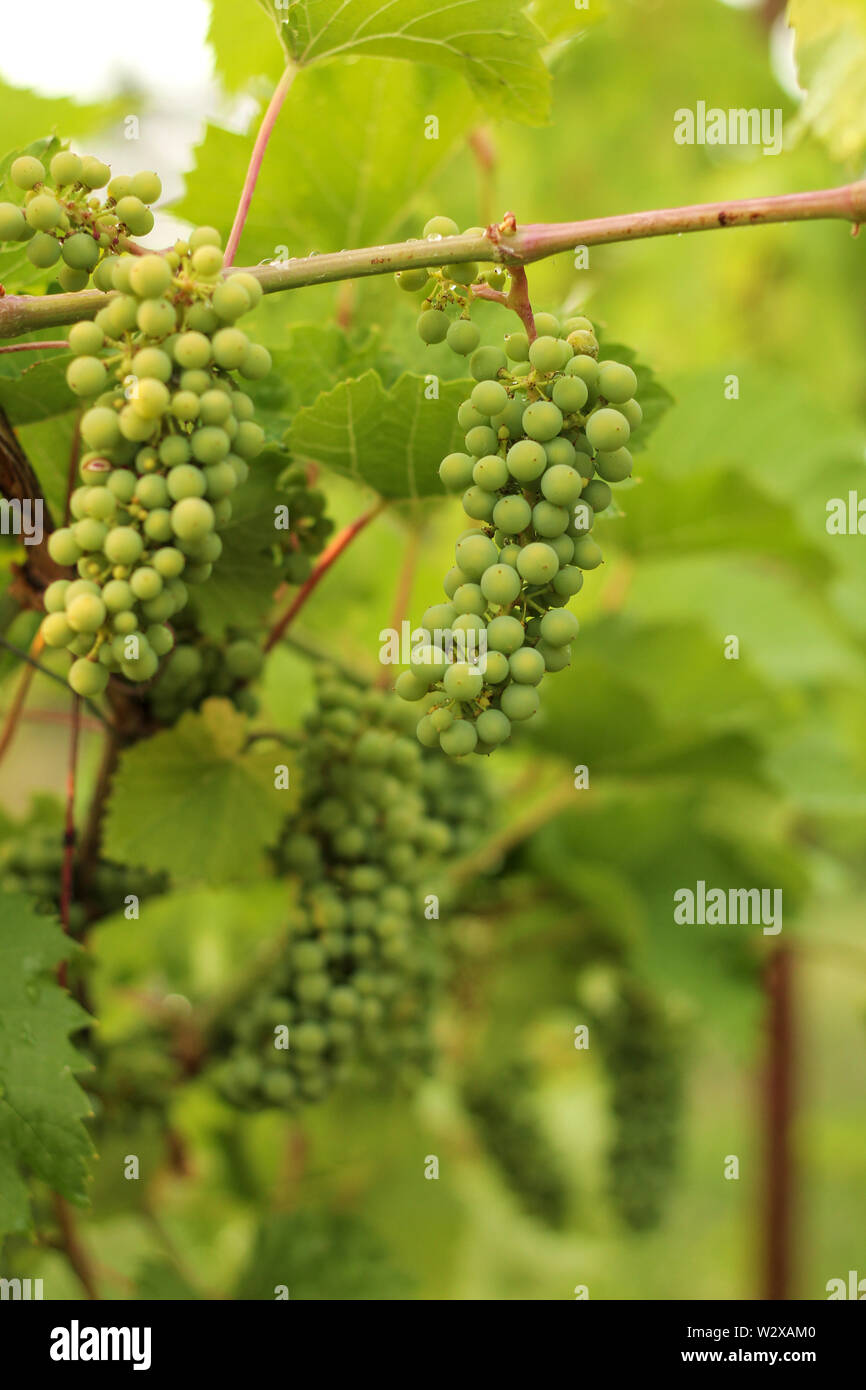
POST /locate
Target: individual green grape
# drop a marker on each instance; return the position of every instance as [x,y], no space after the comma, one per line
[85,339]
[597,495]
[542,421]
[559,627]
[569,394]
[632,412]
[460,739]
[86,376]
[26,171]
[500,584]
[548,520]
[439,227]
[462,336]
[587,554]
[512,515]
[537,563]
[481,440]
[456,472]
[489,397]
[526,460]
[66,168]
[519,702]
[469,598]
[616,382]
[432,325]
[486,363]
[412,279]
[135,215]
[80,251]
[123,545]
[504,634]
[474,553]
[490,472]
[56,630]
[526,666]
[517,347]
[13,226]
[614,467]
[94,174]
[546,354]
[463,682]
[569,581]
[547,325]
[87,678]
[62,547]
[43,212]
[561,485]
[607,429]
[43,251]
[555,658]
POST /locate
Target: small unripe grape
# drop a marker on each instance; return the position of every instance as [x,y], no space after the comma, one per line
[632,412]
[463,337]
[456,472]
[150,397]
[185,405]
[432,326]
[186,481]
[202,319]
[616,382]
[486,363]
[439,227]
[526,666]
[491,472]
[192,518]
[243,659]
[26,171]
[85,339]
[72,280]
[122,484]
[100,428]
[474,554]
[537,563]
[123,545]
[519,701]
[230,299]
[570,394]
[145,582]
[411,686]
[493,726]
[561,485]
[412,279]
[517,347]
[256,362]
[480,440]
[229,348]
[614,467]
[13,226]
[587,554]
[192,349]
[204,236]
[43,251]
[89,533]
[209,444]
[526,460]
[463,682]
[137,217]
[500,584]
[251,284]
[94,174]
[86,376]
[135,426]
[156,317]
[80,251]
[196,380]
[147,186]
[207,261]
[55,630]
[150,277]
[86,613]
[87,678]
[542,420]
[511,515]
[489,397]
[249,440]
[458,740]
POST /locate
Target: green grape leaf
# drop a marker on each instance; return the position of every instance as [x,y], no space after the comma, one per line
[48,444]
[240,591]
[830,52]
[558,21]
[42,1108]
[194,802]
[243,40]
[493,45]
[392,441]
[33,385]
[318,1254]
[311,358]
[355,170]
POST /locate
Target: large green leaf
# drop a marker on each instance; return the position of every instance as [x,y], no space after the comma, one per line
[491,42]
[391,440]
[311,358]
[319,1254]
[193,801]
[41,1105]
[830,49]
[340,170]
[33,385]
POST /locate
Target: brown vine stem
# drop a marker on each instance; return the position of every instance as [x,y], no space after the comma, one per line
[21,314]
[72,1248]
[34,347]
[16,710]
[331,553]
[403,592]
[269,120]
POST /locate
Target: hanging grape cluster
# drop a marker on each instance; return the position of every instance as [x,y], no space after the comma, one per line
[200,667]
[642,1042]
[546,429]
[168,437]
[65,217]
[500,1100]
[309,528]
[361,963]
[32,863]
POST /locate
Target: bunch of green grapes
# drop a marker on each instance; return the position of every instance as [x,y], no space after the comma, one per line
[63,217]
[32,863]
[200,667]
[309,528]
[642,1042]
[361,965]
[501,1103]
[446,287]
[168,437]
[546,426]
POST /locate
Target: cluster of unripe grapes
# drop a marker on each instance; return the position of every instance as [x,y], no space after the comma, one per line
[32,863]
[546,429]
[501,1101]
[445,287]
[360,962]
[199,668]
[167,438]
[309,527]
[64,217]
